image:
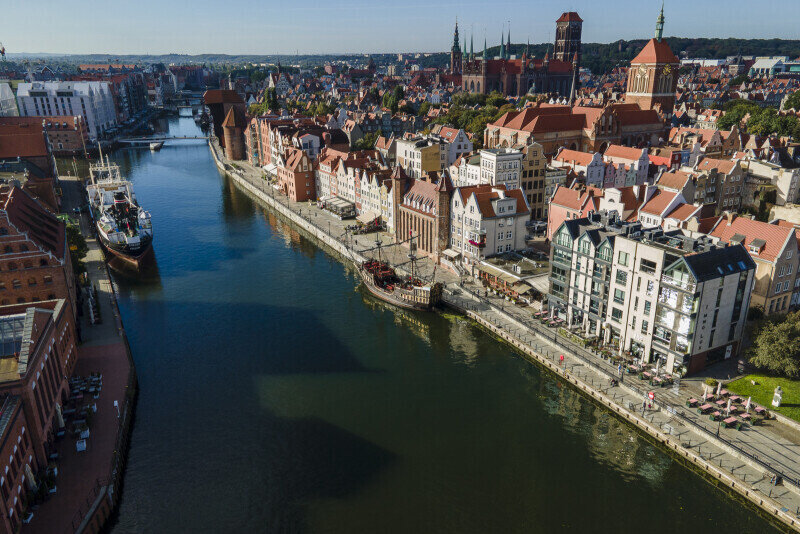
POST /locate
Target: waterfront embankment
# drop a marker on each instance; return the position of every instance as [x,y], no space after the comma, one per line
[721,459]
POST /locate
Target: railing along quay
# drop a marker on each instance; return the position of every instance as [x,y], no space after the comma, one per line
[609,371]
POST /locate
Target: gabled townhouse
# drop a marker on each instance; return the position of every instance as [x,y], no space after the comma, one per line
[727,177]
[656,208]
[458,142]
[632,163]
[774,250]
[486,220]
[589,165]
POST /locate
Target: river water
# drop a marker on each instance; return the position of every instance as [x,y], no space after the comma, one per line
[275,396]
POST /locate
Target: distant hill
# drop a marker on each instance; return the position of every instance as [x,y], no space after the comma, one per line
[597,57]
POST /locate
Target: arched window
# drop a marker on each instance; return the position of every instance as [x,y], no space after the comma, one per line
[31,281]
[51,296]
[3,230]
[43,262]
[17,284]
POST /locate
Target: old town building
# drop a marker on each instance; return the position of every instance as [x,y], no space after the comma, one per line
[424,215]
[35,262]
[486,220]
[517,76]
[37,355]
[588,129]
[296,175]
[653,75]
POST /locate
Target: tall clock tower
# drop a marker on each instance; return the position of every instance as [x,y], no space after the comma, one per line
[653,75]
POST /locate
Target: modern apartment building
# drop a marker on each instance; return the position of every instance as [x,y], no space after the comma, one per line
[91,100]
[660,295]
[532,180]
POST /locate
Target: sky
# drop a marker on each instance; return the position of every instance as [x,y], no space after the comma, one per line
[362,26]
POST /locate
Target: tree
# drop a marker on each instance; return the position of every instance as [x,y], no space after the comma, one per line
[793,102]
[424,108]
[775,346]
[368,141]
[77,247]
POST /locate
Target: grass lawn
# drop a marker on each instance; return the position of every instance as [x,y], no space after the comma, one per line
[762,393]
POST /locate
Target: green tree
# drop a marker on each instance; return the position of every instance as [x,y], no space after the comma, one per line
[775,346]
[793,102]
[424,108]
[368,141]
[77,248]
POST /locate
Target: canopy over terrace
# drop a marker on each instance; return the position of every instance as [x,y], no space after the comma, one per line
[367,217]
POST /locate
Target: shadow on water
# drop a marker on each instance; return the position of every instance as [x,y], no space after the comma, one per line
[262,469]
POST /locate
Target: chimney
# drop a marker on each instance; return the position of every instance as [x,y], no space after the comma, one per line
[730,216]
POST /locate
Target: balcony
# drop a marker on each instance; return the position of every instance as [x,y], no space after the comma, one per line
[686,286]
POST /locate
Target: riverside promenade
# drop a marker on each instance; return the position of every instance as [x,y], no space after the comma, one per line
[742,461]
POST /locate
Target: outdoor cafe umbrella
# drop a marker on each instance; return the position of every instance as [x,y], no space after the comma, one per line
[719,387]
[728,407]
[747,405]
[705,394]
[658,365]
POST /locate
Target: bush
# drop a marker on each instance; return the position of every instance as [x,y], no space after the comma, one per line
[711,382]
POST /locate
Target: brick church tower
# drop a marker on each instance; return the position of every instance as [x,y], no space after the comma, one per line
[456,56]
[653,75]
[568,37]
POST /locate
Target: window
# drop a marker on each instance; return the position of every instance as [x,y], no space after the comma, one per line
[619,296]
[645,325]
[778,287]
[622,277]
[616,314]
[647,307]
[647,266]
[650,288]
[623,259]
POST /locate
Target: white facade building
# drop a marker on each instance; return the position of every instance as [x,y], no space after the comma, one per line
[487,220]
[8,102]
[91,100]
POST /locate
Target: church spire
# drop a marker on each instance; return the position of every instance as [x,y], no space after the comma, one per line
[502,46]
[455,37]
[508,45]
[660,23]
[485,56]
[471,49]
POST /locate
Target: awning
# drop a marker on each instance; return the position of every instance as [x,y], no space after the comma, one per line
[521,288]
[450,253]
[271,168]
[367,217]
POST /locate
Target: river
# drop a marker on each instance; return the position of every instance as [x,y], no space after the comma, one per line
[275,396]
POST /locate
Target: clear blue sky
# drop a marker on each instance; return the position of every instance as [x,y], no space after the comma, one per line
[344,26]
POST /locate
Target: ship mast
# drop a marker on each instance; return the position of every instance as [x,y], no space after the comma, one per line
[412,248]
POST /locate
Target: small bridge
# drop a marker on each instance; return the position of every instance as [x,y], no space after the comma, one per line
[156,139]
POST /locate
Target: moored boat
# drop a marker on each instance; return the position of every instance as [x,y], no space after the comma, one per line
[123,227]
[156,146]
[408,292]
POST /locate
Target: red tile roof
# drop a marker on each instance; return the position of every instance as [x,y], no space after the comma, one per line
[569,16]
[775,236]
[674,180]
[625,152]
[655,52]
[22,140]
[722,165]
[658,202]
[684,211]
[575,157]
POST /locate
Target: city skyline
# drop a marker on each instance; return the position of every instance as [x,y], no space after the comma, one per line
[363,27]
